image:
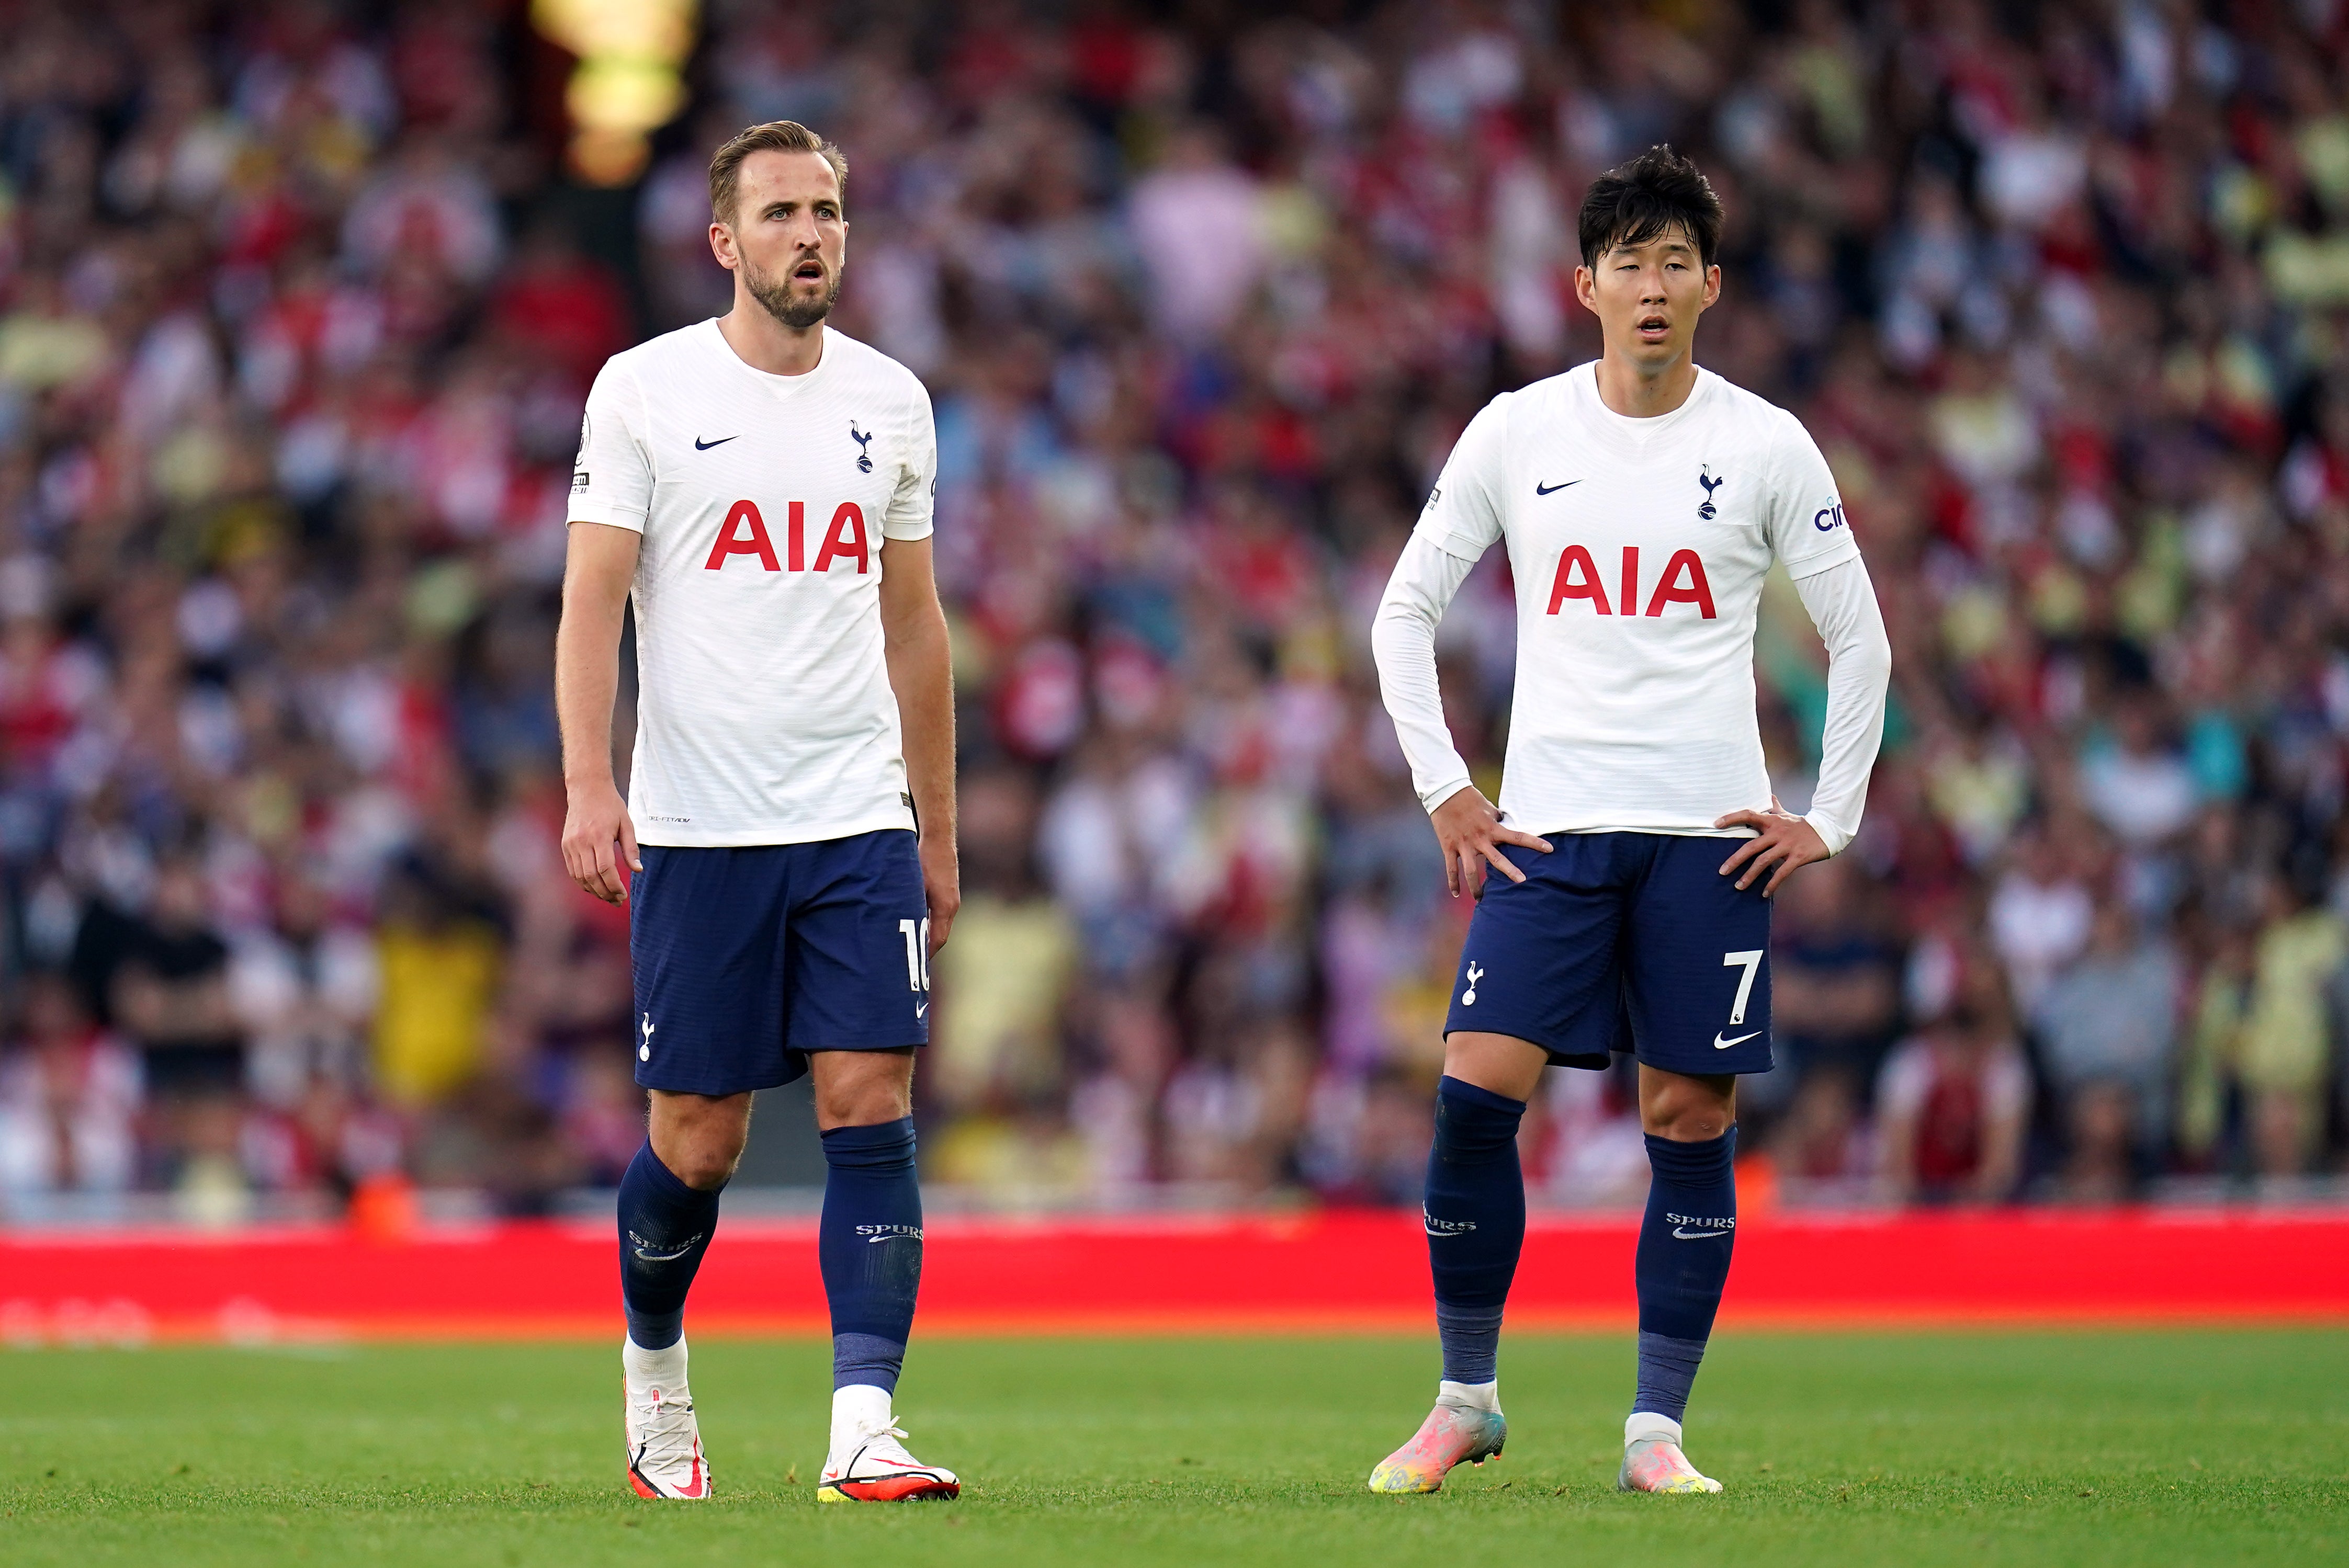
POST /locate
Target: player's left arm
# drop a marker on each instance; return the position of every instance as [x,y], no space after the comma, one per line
[921,672]
[1833,582]
[1842,603]
[919,665]
[921,668]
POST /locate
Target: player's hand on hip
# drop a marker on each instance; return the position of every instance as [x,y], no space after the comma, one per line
[1472,835]
[594,825]
[1783,844]
[942,886]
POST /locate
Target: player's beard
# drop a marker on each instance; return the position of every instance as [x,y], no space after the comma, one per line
[775,293]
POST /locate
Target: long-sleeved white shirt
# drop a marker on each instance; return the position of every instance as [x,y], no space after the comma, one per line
[1639,548]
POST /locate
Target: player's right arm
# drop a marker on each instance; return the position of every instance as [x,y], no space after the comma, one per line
[1460,521]
[611,497]
[597,571]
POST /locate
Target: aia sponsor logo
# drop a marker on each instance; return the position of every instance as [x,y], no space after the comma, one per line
[745,534]
[1683,582]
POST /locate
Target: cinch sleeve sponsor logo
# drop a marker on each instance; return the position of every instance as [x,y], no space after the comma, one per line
[1698,1227]
[1683,582]
[1828,519]
[654,1252]
[744,533]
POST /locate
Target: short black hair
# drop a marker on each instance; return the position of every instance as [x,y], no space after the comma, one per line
[1653,194]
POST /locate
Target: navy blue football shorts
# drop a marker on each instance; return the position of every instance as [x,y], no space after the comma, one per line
[746,959]
[1622,942]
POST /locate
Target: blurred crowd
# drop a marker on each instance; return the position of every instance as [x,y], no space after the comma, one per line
[298,307]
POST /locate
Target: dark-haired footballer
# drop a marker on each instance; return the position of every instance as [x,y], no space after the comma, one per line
[1642,500]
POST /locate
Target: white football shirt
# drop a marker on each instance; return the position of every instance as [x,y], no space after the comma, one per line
[764,714]
[1639,547]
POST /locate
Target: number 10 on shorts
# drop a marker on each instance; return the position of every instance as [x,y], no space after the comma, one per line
[916,933]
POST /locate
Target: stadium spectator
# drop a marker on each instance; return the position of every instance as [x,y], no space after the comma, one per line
[304,987]
[1823,1146]
[2283,1051]
[69,1100]
[164,978]
[441,959]
[2108,1031]
[1953,1103]
[1834,983]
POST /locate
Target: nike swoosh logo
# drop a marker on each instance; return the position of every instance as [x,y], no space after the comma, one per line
[644,1256]
[1720,1045]
[1541,488]
[701,446]
[1694,1235]
[692,1488]
[922,1010]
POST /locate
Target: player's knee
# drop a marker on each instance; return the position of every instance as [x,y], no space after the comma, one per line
[707,1162]
[863,1105]
[1693,1124]
[1688,1109]
[700,1140]
[863,1089]
[1501,1063]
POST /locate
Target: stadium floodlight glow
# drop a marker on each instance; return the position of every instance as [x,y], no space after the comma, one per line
[628,81]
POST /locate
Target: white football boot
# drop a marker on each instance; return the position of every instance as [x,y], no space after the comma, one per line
[868,1462]
[1467,1427]
[1652,1461]
[663,1441]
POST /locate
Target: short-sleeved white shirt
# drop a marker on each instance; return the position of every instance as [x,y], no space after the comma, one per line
[1639,547]
[764,714]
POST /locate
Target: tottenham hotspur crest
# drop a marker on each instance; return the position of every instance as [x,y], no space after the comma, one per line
[1704,477]
[863,448]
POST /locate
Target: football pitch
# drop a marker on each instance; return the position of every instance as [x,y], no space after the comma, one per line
[1908,1448]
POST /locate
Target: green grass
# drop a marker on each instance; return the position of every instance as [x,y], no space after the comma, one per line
[1910,1449]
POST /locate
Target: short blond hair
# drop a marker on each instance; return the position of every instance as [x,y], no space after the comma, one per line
[775,135]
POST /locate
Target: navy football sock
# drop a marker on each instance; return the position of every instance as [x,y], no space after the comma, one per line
[869,1244]
[665,1227]
[1682,1264]
[1476,1219]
